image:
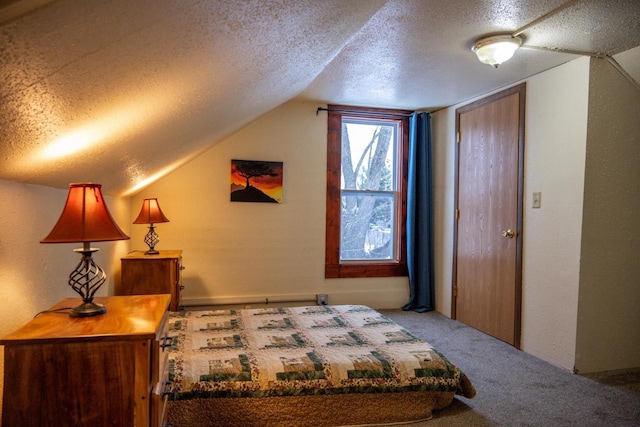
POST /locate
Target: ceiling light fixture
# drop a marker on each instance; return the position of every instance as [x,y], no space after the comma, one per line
[494,50]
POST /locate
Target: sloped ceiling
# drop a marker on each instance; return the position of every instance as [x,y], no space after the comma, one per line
[123,91]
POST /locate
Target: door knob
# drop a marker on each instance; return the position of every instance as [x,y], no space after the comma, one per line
[508,234]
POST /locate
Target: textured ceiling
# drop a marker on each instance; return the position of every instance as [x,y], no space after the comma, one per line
[122,91]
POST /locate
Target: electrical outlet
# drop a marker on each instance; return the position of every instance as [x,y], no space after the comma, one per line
[322,299]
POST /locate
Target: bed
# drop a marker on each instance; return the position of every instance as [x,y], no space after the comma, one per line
[303,366]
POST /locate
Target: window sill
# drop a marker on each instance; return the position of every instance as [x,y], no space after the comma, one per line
[342,271]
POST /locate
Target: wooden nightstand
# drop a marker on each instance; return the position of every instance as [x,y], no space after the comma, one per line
[104,370]
[152,274]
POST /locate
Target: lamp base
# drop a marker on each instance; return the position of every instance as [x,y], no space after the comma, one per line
[151,239]
[87,309]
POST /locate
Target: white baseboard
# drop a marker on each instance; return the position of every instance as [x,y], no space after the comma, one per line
[244,300]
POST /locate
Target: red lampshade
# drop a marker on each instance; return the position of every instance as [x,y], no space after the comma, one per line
[150,213]
[85,218]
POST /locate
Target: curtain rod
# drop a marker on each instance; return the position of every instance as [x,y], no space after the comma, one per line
[362,113]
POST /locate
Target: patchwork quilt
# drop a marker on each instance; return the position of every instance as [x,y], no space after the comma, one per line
[294,351]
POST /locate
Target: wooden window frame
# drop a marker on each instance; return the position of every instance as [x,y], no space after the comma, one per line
[352,269]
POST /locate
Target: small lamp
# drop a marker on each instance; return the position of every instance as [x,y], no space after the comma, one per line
[151,214]
[495,50]
[85,218]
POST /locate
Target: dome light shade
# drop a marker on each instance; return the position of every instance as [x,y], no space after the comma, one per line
[495,50]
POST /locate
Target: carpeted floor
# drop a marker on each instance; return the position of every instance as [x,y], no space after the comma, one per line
[517,389]
[628,379]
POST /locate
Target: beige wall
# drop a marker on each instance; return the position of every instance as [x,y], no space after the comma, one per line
[555,140]
[609,313]
[443,123]
[245,252]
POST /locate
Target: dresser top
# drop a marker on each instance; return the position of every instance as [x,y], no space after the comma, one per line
[127,317]
[160,255]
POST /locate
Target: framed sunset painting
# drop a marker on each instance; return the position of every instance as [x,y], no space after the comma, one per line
[256,181]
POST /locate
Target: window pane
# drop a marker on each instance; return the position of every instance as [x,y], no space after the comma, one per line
[368,156]
[367,227]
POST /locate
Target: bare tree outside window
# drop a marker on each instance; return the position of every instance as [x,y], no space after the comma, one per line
[368,190]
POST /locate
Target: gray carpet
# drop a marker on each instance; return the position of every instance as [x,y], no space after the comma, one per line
[514,388]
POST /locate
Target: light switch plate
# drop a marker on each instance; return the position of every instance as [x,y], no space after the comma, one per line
[537,199]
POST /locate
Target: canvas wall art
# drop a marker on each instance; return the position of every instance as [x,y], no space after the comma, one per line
[256,181]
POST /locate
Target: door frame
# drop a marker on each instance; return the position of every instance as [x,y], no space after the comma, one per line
[521,90]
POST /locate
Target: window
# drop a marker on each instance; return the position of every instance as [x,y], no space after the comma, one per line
[366,192]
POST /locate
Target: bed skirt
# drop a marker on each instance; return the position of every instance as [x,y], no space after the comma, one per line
[311,411]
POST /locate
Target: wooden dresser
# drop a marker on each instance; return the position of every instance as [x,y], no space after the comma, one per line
[106,370]
[152,274]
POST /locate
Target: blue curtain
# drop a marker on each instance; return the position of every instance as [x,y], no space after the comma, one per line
[420,216]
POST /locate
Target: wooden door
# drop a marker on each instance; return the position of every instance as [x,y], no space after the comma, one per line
[487,275]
